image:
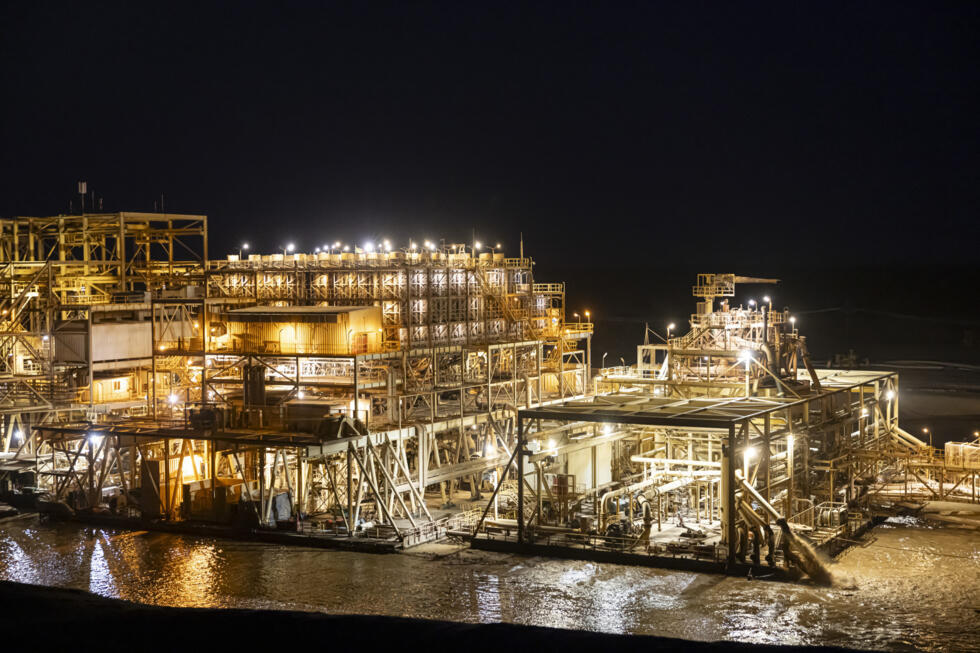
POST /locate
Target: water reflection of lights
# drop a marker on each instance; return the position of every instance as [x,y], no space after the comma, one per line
[100,576]
[193,576]
[488,599]
[18,565]
[904,595]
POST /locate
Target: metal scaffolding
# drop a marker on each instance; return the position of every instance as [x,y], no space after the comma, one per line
[723,447]
[397,373]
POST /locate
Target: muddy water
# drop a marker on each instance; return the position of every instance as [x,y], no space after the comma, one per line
[913,587]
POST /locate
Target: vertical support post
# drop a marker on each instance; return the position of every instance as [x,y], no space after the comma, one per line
[261,475]
[153,360]
[91,364]
[300,493]
[205,333]
[212,466]
[166,472]
[350,493]
[520,479]
[728,478]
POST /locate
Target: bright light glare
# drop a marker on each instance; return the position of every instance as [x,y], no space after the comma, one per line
[245,246]
[789,442]
[488,450]
[368,247]
[173,398]
[607,429]
[551,444]
[890,395]
[337,244]
[745,356]
[290,247]
[477,244]
[300,395]
[18,435]
[749,453]
[670,326]
[94,439]
[792,320]
[751,302]
[766,299]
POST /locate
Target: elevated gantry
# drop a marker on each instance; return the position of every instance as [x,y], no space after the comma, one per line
[722,445]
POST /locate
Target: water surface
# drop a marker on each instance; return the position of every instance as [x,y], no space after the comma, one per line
[913,587]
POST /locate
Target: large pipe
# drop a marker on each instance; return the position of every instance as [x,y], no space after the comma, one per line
[798,550]
[763,531]
[630,489]
[905,438]
[647,512]
[676,461]
[755,495]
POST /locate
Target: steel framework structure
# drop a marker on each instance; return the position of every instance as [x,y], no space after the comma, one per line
[465,341]
[58,276]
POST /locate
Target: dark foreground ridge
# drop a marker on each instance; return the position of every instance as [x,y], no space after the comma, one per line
[68,617]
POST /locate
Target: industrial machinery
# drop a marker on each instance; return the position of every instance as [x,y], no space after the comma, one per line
[337,388]
[723,445]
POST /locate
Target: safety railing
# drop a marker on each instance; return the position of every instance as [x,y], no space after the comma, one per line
[631,545]
[464,521]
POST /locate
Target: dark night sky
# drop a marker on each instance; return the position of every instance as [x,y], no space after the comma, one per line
[697,135]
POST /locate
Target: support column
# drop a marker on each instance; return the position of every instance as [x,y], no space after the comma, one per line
[520,479]
[728,493]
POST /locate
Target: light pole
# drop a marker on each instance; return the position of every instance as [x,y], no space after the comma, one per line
[288,249]
[747,357]
[670,327]
[604,354]
[588,317]
[243,248]
[926,431]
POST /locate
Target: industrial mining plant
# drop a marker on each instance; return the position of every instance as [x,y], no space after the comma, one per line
[378,398]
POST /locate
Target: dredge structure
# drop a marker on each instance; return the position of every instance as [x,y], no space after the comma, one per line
[389,398]
[366,393]
[719,449]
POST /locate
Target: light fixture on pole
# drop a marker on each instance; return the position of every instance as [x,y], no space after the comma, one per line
[746,357]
